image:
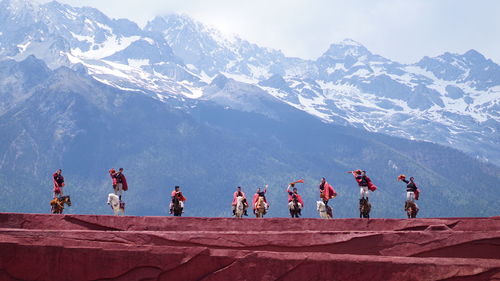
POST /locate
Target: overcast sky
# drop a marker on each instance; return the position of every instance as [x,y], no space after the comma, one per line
[403,30]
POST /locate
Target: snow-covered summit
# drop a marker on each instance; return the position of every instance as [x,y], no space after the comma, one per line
[452,99]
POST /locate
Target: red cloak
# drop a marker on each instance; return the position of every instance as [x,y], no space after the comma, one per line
[329,191]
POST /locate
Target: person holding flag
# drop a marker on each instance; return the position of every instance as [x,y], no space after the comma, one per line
[412,191]
[293,193]
[258,194]
[364,183]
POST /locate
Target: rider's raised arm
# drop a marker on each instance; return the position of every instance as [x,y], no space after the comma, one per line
[265,188]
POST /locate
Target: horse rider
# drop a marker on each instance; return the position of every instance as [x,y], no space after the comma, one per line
[326,191]
[256,196]
[177,193]
[294,194]
[237,193]
[121,183]
[58,183]
[412,191]
[364,184]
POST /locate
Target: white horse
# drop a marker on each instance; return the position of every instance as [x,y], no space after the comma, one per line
[321,208]
[295,207]
[240,207]
[117,206]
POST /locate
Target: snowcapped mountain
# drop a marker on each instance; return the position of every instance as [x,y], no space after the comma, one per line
[116,52]
[452,99]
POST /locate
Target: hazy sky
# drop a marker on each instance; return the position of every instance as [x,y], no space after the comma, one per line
[403,30]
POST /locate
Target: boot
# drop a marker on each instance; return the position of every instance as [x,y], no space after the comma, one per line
[120,197]
[361,201]
[234,212]
[246,214]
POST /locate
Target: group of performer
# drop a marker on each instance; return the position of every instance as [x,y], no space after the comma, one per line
[326,191]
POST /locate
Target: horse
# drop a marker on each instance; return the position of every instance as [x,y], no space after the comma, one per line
[57,204]
[260,209]
[325,211]
[411,209]
[176,206]
[295,207]
[240,206]
[364,208]
[117,205]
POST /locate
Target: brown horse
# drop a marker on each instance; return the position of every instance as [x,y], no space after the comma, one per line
[364,208]
[411,209]
[57,204]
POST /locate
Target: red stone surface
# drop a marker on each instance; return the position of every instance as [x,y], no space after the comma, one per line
[89,247]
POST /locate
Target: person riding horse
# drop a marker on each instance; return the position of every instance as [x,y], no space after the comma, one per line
[412,192]
[256,196]
[294,196]
[365,184]
[326,192]
[177,195]
[237,194]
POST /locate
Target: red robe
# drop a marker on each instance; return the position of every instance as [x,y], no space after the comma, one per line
[290,197]
[328,192]
[235,196]
[113,178]
[371,186]
[417,193]
[124,182]
[57,187]
[181,197]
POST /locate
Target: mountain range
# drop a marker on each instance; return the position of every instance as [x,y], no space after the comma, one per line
[179,102]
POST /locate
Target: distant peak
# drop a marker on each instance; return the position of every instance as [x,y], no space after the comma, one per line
[474,54]
[220,81]
[345,48]
[349,42]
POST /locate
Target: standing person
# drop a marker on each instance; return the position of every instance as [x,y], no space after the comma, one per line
[237,193]
[176,193]
[121,183]
[364,182]
[326,191]
[293,193]
[412,191]
[58,183]
[256,196]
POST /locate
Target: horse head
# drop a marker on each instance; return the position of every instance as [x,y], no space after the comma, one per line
[67,200]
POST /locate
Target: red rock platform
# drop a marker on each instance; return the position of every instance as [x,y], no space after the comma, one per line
[90,247]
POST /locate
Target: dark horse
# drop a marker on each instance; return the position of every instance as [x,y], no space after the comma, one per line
[57,204]
[411,209]
[294,207]
[176,206]
[364,208]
